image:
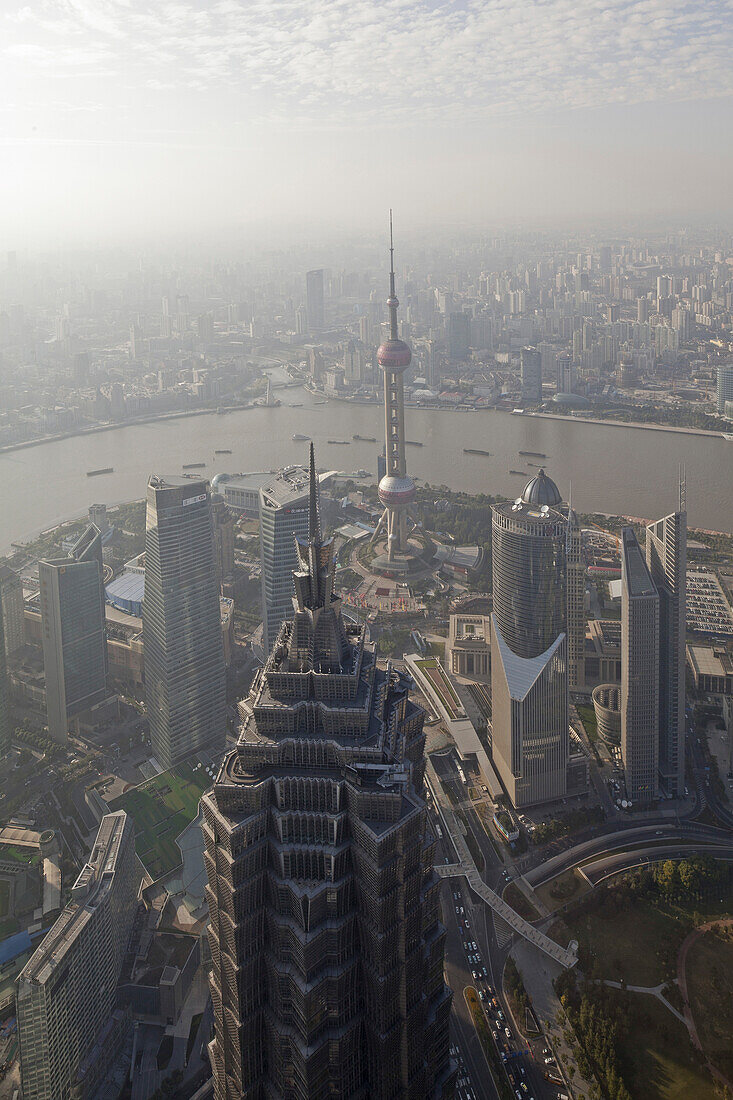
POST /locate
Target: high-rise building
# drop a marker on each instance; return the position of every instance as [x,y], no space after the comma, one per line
[396,489]
[575,604]
[283,518]
[5,730]
[666,558]
[68,1027]
[11,590]
[531,368]
[184,657]
[223,526]
[529,644]
[314,300]
[73,626]
[725,386]
[565,373]
[639,672]
[165,319]
[326,939]
[458,334]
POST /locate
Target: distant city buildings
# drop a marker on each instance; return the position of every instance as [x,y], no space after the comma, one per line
[639,673]
[73,632]
[68,1024]
[184,659]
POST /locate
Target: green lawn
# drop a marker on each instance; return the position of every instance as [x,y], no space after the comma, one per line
[710,989]
[658,1059]
[587,716]
[161,808]
[634,945]
[19,854]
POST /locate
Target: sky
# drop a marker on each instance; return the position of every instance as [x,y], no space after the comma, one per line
[126,119]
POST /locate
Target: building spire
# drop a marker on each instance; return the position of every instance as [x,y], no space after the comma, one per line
[683,488]
[392,301]
[314,521]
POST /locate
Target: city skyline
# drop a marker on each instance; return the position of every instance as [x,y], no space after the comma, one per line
[583,108]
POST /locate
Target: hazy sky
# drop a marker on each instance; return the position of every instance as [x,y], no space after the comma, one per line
[134,116]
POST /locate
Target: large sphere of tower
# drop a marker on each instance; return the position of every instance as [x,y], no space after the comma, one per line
[396,493]
[394,356]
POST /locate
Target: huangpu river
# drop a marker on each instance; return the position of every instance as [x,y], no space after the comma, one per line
[608,468]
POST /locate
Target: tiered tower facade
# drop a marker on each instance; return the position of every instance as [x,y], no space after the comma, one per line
[326,939]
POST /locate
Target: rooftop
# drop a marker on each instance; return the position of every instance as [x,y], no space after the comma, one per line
[637,575]
[289,487]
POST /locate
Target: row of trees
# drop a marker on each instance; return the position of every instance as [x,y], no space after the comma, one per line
[567,823]
[38,741]
[598,1024]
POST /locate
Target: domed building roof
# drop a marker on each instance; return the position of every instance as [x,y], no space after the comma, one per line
[540,490]
[219,479]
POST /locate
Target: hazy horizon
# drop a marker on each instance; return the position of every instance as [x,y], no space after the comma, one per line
[121,120]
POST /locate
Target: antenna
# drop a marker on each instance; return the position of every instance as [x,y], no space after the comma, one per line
[314,524]
[683,487]
[392,300]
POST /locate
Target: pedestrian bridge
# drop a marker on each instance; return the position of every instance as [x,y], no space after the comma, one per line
[466,868]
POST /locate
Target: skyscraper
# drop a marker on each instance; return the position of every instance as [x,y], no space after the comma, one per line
[314,300]
[184,657]
[575,603]
[283,518]
[5,731]
[565,373]
[639,672]
[531,367]
[68,1028]
[396,489]
[725,386]
[666,558]
[529,645]
[73,625]
[11,589]
[326,941]
[223,525]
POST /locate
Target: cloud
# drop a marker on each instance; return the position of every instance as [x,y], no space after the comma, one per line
[341,63]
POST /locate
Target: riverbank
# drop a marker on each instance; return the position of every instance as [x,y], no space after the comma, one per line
[97,429]
[627,424]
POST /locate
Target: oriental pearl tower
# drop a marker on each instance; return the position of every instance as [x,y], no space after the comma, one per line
[396,489]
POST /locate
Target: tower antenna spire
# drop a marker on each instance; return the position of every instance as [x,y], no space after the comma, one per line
[314,522]
[392,301]
[683,488]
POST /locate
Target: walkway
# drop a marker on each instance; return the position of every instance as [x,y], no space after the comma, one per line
[651,991]
[466,867]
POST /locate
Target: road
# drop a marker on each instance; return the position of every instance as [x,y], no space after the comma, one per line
[465,963]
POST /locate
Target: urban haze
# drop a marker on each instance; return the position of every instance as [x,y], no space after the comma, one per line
[366,589]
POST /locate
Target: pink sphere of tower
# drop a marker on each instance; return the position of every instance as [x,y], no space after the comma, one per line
[396,492]
[394,355]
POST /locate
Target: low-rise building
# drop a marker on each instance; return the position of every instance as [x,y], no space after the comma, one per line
[468,652]
[711,668]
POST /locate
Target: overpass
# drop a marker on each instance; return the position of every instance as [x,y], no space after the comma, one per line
[466,868]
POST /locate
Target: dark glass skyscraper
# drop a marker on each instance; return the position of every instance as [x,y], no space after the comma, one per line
[184,657]
[529,649]
[5,737]
[73,626]
[326,940]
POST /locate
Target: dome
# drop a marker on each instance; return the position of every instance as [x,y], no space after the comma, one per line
[394,355]
[396,492]
[218,480]
[541,490]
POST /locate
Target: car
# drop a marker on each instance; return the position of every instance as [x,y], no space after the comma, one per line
[549,1061]
[500,1014]
[458,910]
[546,1050]
[466,925]
[473,945]
[485,972]
[523,1086]
[507,1032]
[518,1094]
[475,975]
[482,995]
